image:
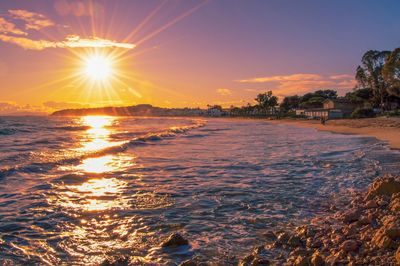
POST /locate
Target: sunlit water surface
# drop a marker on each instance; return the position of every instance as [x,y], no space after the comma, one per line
[78,190]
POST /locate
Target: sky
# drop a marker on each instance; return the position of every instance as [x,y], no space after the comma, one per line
[178,53]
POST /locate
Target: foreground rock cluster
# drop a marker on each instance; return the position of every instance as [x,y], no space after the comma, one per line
[366,232]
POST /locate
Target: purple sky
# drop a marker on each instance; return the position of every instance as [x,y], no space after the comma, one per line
[187,53]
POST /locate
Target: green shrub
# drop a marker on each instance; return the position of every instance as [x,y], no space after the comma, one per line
[362,113]
[393,113]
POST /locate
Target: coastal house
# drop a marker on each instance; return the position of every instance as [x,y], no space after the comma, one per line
[332,109]
[344,105]
[300,112]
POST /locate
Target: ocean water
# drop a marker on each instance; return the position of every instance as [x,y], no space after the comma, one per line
[79,190]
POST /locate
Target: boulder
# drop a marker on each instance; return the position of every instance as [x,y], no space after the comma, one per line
[395,205]
[301,261]
[283,238]
[371,204]
[317,259]
[380,239]
[294,241]
[175,240]
[115,261]
[260,262]
[383,186]
[349,246]
[351,216]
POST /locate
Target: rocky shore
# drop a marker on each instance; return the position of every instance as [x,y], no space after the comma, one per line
[366,232]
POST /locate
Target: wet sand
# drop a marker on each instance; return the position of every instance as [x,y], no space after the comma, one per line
[382,128]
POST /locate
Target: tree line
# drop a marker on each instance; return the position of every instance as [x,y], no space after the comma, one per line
[378,86]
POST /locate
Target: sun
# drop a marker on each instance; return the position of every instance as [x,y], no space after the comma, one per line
[98,67]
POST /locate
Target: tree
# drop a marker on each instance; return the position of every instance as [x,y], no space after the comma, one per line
[316,99]
[359,95]
[266,100]
[391,73]
[290,102]
[369,75]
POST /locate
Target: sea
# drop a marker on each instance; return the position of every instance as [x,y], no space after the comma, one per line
[81,190]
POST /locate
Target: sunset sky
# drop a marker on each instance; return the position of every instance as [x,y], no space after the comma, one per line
[183,53]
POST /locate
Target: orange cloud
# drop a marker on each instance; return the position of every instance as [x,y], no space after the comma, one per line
[284,85]
[8,27]
[64,105]
[11,108]
[224,92]
[72,41]
[34,21]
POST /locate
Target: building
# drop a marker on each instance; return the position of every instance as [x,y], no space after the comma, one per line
[332,109]
[345,106]
[321,112]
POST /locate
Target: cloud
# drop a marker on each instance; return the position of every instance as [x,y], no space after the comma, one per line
[8,27]
[64,105]
[11,108]
[224,92]
[34,21]
[71,41]
[284,85]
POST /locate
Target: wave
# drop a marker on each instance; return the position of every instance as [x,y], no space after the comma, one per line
[36,167]
[70,128]
[8,131]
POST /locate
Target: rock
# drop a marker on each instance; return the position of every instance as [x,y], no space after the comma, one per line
[380,239]
[383,186]
[247,260]
[270,235]
[174,240]
[260,262]
[301,261]
[398,256]
[393,232]
[294,241]
[115,261]
[371,204]
[283,238]
[395,205]
[317,259]
[349,245]
[351,216]
[188,263]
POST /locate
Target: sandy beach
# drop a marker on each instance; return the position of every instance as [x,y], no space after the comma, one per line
[383,128]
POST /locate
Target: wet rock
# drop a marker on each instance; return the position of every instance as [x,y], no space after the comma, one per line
[188,263]
[260,262]
[247,260]
[175,240]
[270,235]
[115,261]
[294,241]
[351,216]
[395,205]
[371,204]
[317,259]
[349,245]
[283,238]
[381,240]
[383,186]
[302,261]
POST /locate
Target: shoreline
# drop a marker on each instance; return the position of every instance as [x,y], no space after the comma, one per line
[384,129]
[365,232]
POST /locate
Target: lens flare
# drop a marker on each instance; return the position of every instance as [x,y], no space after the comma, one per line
[98,67]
